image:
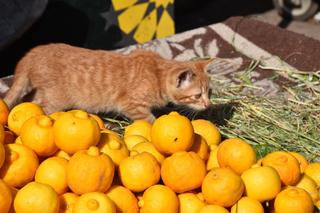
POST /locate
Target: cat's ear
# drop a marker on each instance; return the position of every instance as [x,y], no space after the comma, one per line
[223,65]
[184,78]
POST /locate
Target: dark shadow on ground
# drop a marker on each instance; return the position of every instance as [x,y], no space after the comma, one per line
[218,114]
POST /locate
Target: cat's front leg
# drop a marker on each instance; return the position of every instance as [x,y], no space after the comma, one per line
[141,115]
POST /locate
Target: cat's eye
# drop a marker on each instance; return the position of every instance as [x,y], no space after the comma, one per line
[197,96]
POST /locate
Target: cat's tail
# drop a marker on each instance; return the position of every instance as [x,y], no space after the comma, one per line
[19,88]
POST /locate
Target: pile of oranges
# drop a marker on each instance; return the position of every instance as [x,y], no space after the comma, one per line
[69,162]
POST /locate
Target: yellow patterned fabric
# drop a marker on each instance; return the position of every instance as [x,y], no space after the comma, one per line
[145,20]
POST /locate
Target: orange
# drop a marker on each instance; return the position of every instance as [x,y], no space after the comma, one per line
[2,134]
[286,165]
[20,113]
[37,134]
[139,172]
[6,197]
[310,186]
[301,159]
[222,186]
[124,199]
[2,154]
[183,171]
[247,205]
[67,200]
[293,200]
[207,130]
[159,199]
[200,147]
[76,130]
[99,120]
[89,171]
[236,154]
[313,171]
[4,112]
[147,147]
[132,140]
[54,116]
[62,154]
[113,146]
[213,158]
[139,127]
[9,137]
[213,209]
[172,133]
[94,202]
[20,165]
[36,198]
[190,203]
[53,171]
[261,183]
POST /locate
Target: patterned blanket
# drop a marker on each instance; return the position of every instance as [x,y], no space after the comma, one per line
[243,40]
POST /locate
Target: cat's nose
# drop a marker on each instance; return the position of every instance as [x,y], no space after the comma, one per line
[206,103]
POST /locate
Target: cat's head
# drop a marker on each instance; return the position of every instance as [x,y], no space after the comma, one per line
[189,81]
[189,85]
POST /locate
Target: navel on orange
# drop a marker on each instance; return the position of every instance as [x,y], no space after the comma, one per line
[94,202]
[172,133]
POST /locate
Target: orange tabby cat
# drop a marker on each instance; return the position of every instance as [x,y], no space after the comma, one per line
[65,77]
